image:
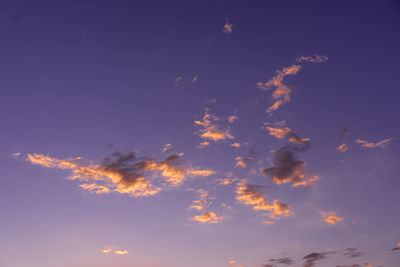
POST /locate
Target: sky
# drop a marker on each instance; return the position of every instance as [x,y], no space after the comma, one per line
[199,133]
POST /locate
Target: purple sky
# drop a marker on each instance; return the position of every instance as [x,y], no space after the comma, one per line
[278,121]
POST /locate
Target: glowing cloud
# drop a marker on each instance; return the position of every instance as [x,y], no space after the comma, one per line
[232,118]
[248,194]
[227,28]
[207,217]
[95,188]
[330,217]
[211,130]
[342,148]
[240,163]
[236,145]
[367,144]
[114,250]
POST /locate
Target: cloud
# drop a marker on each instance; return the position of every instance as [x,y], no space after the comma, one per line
[249,194]
[287,133]
[367,144]
[115,251]
[342,148]
[16,154]
[281,92]
[240,163]
[178,80]
[122,173]
[232,118]
[288,169]
[330,217]
[236,145]
[95,188]
[226,181]
[194,80]
[344,131]
[396,248]
[211,130]
[232,262]
[352,252]
[313,59]
[228,27]
[312,257]
[207,217]
[285,260]
[201,202]
[167,147]
[203,144]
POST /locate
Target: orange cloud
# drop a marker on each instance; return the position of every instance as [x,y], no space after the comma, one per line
[367,144]
[95,188]
[278,132]
[227,28]
[226,181]
[248,194]
[207,217]
[236,145]
[211,130]
[121,252]
[232,118]
[331,217]
[342,148]
[240,163]
[195,172]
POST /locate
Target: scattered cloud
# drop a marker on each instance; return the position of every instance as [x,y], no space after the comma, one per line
[313,59]
[240,163]
[342,148]
[236,145]
[331,217]
[228,27]
[281,92]
[226,181]
[381,143]
[211,130]
[16,154]
[203,144]
[122,173]
[194,80]
[167,147]
[249,194]
[352,252]
[285,260]
[315,256]
[232,118]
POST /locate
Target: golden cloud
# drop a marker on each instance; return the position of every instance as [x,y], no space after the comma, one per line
[367,144]
[342,148]
[207,217]
[211,130]
[331,217]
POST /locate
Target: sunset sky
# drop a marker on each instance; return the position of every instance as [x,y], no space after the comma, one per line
[199,133]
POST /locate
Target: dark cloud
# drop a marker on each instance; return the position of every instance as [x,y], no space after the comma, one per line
[273,262]
[315,256]
[352,252]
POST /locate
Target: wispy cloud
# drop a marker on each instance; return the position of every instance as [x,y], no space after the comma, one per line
[249,194]
[228,27]
[167,147]
[313,59]
[211,129]
[331,217]
[311,258]
[381,143]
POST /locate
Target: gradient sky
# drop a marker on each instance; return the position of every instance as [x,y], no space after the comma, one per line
[262,94]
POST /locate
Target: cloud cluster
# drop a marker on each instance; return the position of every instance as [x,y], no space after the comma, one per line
[331,217]
[285,133]
[122,173]
[367,144]
[288,169]
[202,203]
[211,129]
[207,217]
[249,194]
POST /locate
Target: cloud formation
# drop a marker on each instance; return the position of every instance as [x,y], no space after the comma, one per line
[288,169]
[249,194]
[211,130]
[122,173]
[281,93]
[311,258]
[381,143]
[331,217]
[114,250]
[207,217]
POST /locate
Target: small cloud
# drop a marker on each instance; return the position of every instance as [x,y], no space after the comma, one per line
[330,217]
[95,188]
[312,257]
[211,129]
[178,80]
[342,148]
[228,27]
[203,144]
[232,262]
[16,154]
[194,80]
[207,217]
[312,59]
[236,145]
[285,260]
[196,172]
[115,251]
[240,163]
[396,248]
[167,147]
[232,118]
[226,181]
[381,143]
